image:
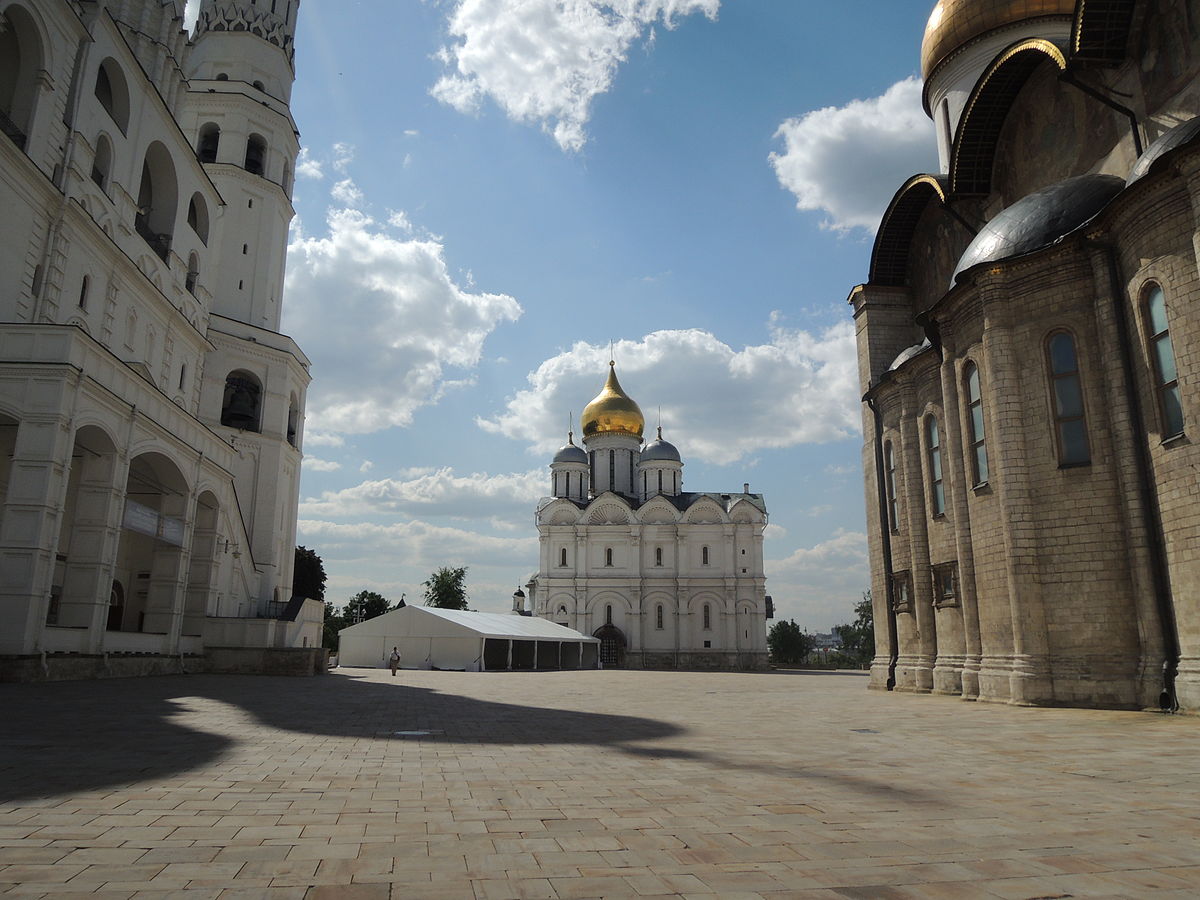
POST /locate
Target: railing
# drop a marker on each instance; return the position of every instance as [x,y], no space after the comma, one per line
[159,243]
[10,129]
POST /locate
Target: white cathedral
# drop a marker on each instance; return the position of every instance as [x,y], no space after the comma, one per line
[663,577]
[151,413]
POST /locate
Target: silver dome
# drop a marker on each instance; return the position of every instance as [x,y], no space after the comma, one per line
[571,454]
[658,449]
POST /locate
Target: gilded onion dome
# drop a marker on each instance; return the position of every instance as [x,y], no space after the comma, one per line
[612,410]
[954,23]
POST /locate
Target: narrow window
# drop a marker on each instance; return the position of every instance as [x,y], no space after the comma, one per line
[704,556]
[933,444]
[101,162]
[608,614]
[901,592]
[979,458]
[658,617]
[182,375]
[256,155]
[644,484]
[707,617]
[210,142]
[612,470]
[608,556]
[660,481]
[889,460]
[562,556]
[193,273]
[1068,401]
[945,585]
[658,556]
[1169,403]
[83,292]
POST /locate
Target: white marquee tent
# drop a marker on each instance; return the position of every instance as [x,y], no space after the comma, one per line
[467,641]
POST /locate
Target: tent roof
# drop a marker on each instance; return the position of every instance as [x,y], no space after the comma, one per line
[425,620]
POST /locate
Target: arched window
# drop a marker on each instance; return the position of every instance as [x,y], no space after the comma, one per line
[83,292]
[210,142]
[933,449]
[256,155]
[113,93]
[198,217]
[707,613]
[293,422]
[658,617]
[608,556]
[658,556]
[287,178]
[889,464]
[704,556]
[258,86]
[1067,390]
[102,162]
[20,61]
[221,76]
[242,404]
[608,614]
[1170,405]
[193,273]
[562,556]
[979,458]
[157,199]
[660,481]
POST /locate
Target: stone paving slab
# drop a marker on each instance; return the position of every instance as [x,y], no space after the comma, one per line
[584,784]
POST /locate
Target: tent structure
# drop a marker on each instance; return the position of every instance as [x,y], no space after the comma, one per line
[466,641]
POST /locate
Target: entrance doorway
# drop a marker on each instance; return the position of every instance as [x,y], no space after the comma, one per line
[612,646]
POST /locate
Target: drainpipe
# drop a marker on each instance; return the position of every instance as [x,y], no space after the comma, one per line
[1167,700]
[886,533]
[1069,78]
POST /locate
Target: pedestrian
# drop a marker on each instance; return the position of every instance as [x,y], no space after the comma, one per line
[394,660]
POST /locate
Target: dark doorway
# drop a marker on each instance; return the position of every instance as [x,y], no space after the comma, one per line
[116,607]
[612,646]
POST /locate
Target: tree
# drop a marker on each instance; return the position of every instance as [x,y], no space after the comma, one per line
[365,605]
[334,622]
[788,643]
[446,588]
[308,575]
[858,638]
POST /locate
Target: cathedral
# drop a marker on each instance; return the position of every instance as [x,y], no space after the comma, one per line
[665,578]
[151,412]
[1027,344]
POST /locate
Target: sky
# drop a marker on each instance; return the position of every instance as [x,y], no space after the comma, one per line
[493,192]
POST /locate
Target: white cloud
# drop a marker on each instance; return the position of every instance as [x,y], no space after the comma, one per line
[307,167]
[323,439]
[320,465]
[191,11]
[343,155]
[439,492]
[719,404]
[366,466]
[417,544]
[546,60]
[821,584]
[848,161]
[346,193]
[382,319]
[774,532]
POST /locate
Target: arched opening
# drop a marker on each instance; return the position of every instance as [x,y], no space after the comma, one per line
[242,404]
[20,61]
[84,288]
[82,585]
[112,92]
[612,646]
[102,162]
[562,557]
[293,422]
[256,155]
[158,197]
[150,556]
[210,142]
[193,273]
[287,178]
[116,607]
[202,567]
[197,217]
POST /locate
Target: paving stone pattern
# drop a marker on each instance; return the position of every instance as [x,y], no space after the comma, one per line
[584,784]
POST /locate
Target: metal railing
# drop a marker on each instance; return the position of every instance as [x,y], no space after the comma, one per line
[159,243]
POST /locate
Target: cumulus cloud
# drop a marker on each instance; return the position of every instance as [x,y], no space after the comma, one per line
[346,193]
[439,492]
[387,326]
[848,161]
[323,439]
[307,167]
[545,61]
[313,464]
[821,583]
[720,404]
[415,543]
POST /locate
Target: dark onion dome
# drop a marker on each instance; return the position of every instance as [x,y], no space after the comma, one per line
[1177,137]
[570,453]
[1040,219]
[658,449]
[955,23]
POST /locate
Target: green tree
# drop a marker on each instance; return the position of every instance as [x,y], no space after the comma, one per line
[308,575]
[334,622]
[788,643]
[858,638]
[365,605]
[447,588]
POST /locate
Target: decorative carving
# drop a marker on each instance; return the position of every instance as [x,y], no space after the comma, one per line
[266,25]
[608,514]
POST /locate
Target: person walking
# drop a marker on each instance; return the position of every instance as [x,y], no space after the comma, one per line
[394,660]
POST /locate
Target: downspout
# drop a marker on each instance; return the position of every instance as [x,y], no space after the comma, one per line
[1070,78]
[1167,699]
[886,535]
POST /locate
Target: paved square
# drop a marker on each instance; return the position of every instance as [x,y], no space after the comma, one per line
[584,784]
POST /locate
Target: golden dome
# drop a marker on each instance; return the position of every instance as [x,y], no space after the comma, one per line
[612,410]
[955,22]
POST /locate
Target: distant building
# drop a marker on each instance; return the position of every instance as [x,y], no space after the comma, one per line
[1027,345]
[663,577]
[151,414]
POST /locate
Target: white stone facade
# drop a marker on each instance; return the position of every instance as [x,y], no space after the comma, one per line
[151,414]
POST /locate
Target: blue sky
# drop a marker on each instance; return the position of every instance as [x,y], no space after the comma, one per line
[493,190]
